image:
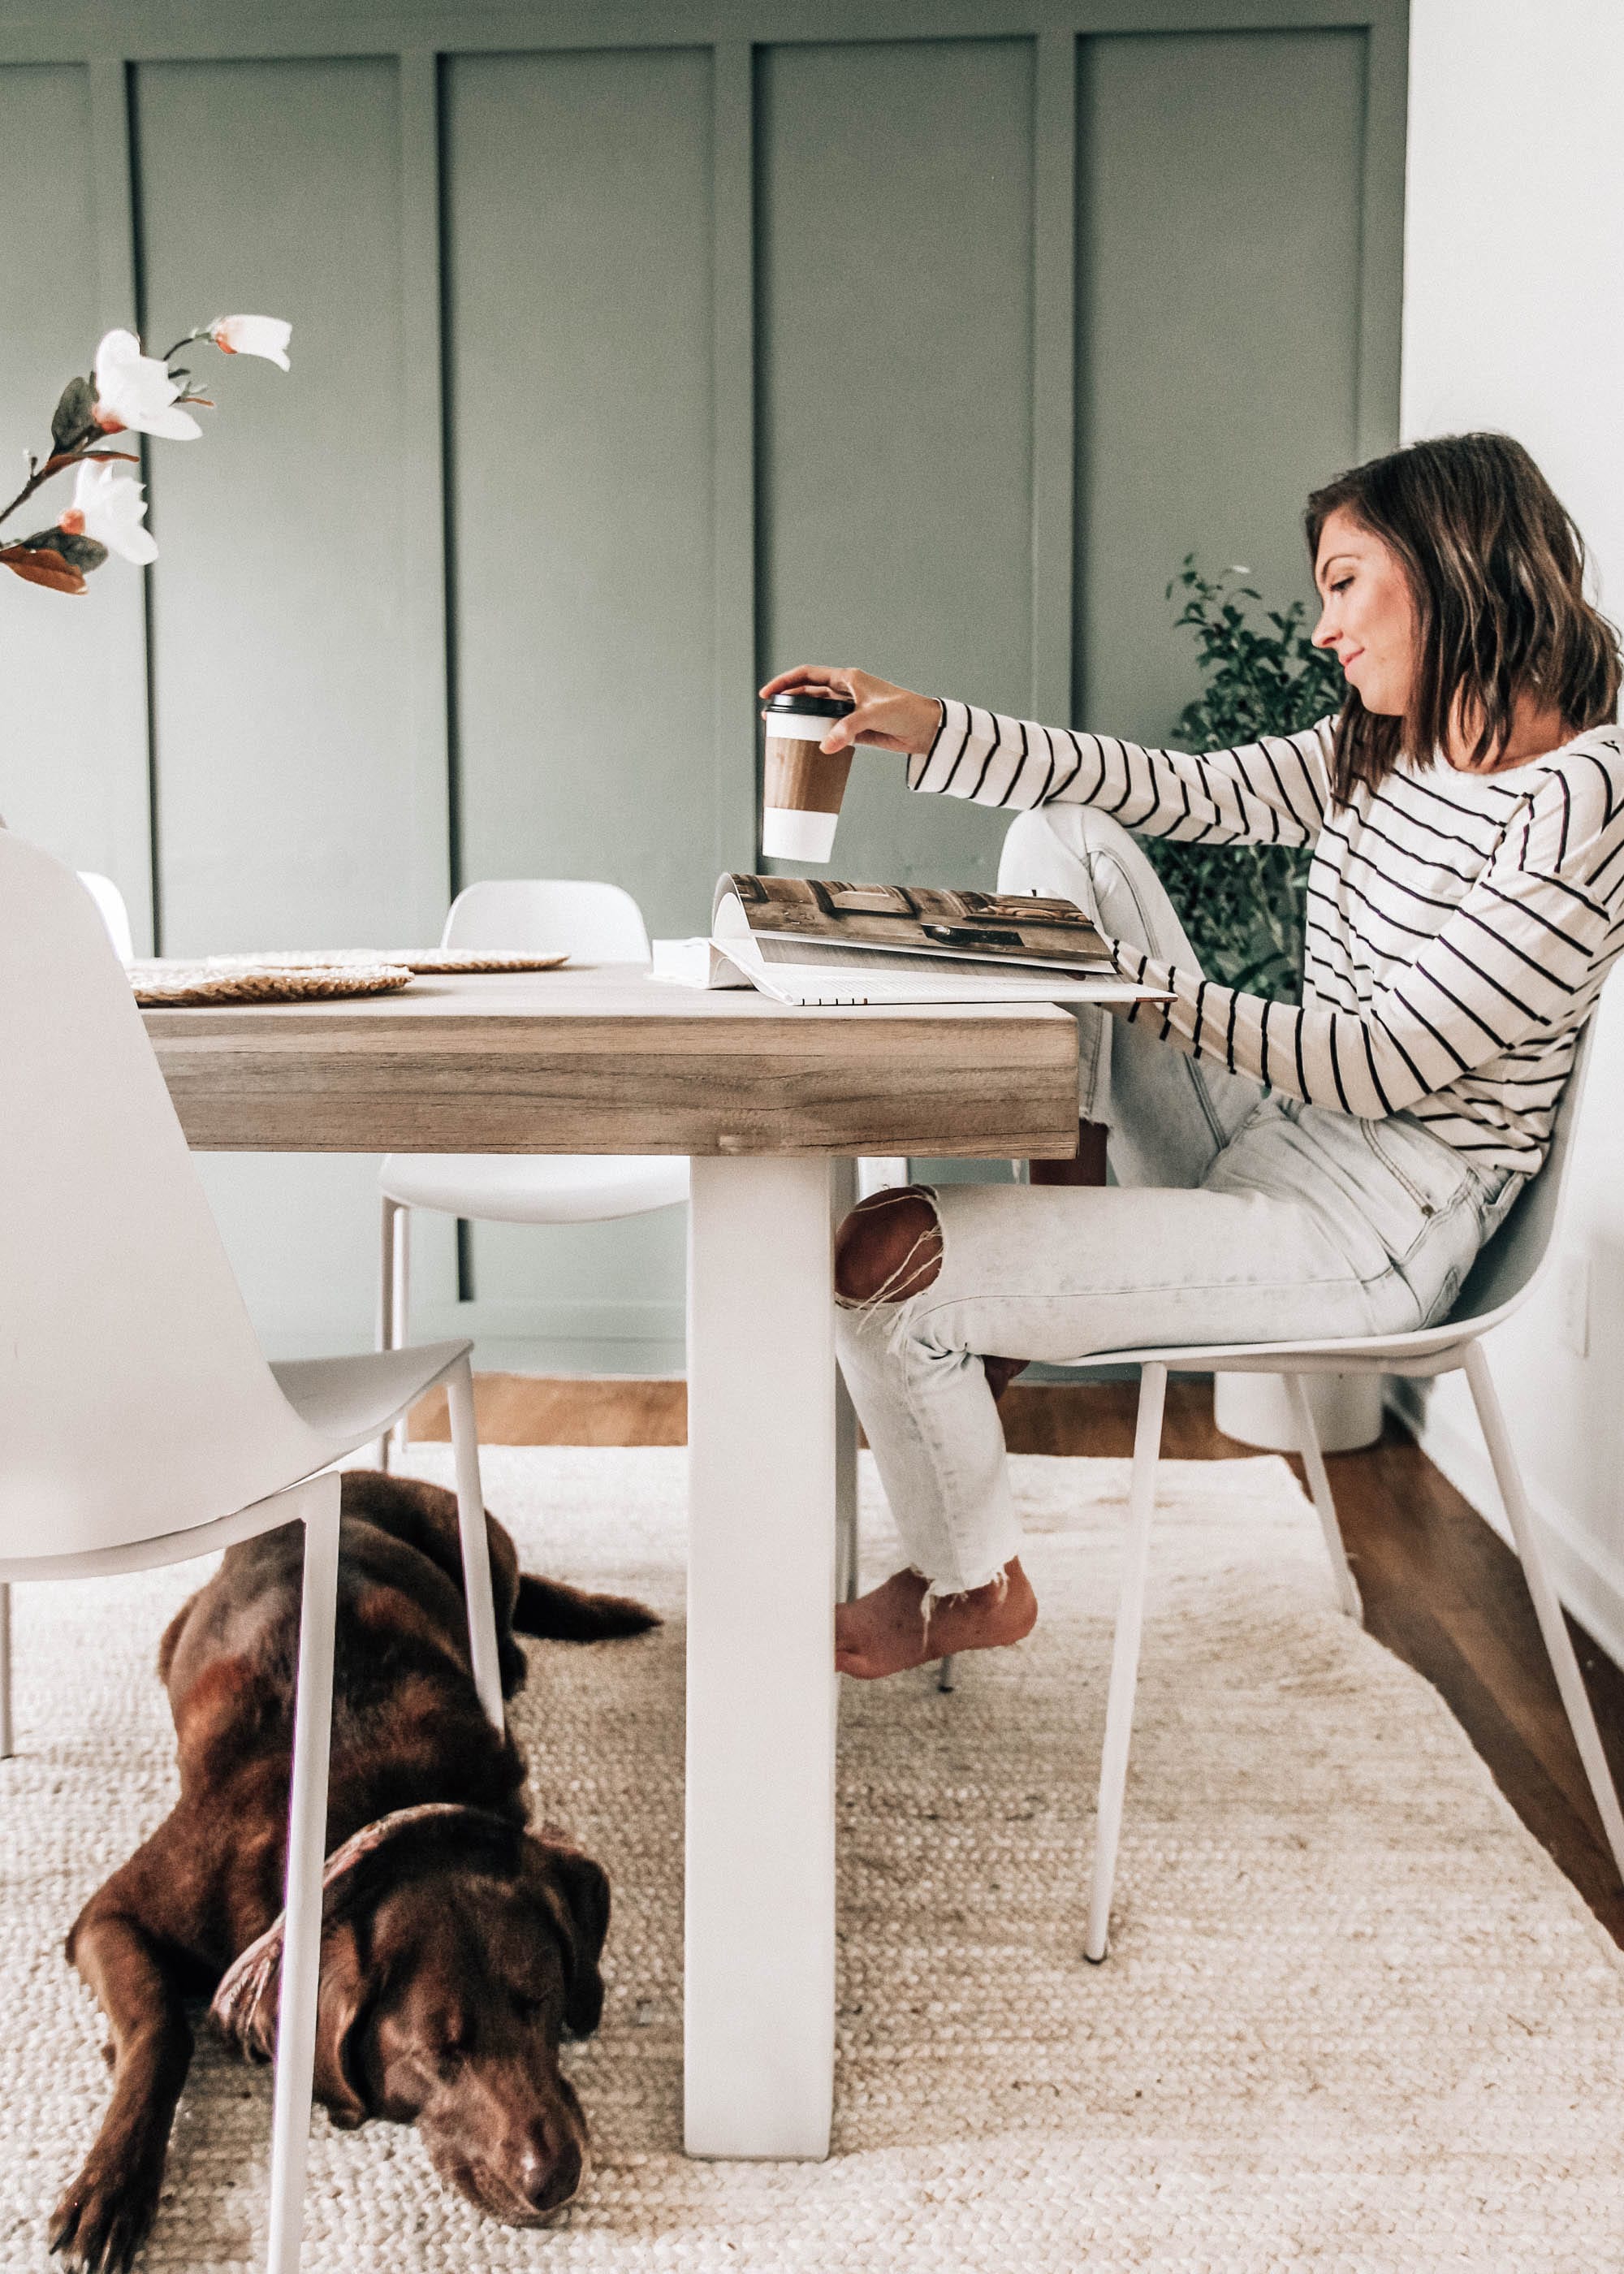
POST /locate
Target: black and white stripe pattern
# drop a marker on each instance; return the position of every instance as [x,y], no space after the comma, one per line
[1459,926]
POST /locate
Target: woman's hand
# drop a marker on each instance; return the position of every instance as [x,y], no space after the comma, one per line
[887,717]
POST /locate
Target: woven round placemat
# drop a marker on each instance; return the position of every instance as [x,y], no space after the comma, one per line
[423,960]
[476,959]
[163,984]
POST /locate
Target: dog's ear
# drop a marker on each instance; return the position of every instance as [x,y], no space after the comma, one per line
[580,1892]
[343,2003]
[248,2004]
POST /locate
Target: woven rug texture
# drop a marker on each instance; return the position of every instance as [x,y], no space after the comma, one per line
[1353,2019]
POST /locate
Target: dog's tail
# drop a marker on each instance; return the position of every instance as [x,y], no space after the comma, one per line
[559,1613]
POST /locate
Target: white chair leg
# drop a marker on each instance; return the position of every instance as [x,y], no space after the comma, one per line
[307,1823]
[1548,1604]
[395,1304]
[847,1540]
[1320,1487]
[6,1746]
[385,1299]
[849,1181]
[1125,1656]
[476,1546]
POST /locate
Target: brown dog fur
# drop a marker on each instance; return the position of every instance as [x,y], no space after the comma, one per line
[446,1986]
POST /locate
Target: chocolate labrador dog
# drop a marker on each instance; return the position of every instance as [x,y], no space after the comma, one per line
[458,1946]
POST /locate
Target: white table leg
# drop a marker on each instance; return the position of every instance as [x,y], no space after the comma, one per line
[760,1919]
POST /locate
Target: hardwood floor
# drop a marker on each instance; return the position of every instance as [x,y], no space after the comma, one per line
[1440,1589]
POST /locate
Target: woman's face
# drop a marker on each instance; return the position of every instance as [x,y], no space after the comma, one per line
[1367,615]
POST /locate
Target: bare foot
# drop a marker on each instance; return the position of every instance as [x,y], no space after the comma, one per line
[885,1631]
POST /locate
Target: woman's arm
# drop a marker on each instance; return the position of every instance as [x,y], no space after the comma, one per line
[1272,792]
[1522,955]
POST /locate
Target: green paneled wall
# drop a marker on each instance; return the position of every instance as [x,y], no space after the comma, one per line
[580,305]
[637,353]
[894,378]
[279,602]
[1218,331]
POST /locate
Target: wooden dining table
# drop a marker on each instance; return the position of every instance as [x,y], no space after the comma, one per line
[772,1105]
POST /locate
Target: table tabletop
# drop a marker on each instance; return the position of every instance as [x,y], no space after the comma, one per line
[606,1059]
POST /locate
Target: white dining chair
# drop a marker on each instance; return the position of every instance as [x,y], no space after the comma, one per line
[591,922]
[139,1423]
[110,901]
[1508,1269]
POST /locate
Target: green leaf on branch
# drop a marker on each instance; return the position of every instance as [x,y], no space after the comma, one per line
[72,545]
[40,565]
[75,413]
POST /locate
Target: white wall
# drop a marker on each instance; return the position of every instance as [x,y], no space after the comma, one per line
[1514,318]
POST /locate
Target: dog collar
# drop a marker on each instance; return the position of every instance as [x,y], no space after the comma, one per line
[236,2002]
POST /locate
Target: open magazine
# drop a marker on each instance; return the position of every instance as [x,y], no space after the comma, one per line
[811,940]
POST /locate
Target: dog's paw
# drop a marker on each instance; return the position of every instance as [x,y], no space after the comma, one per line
[107,2214]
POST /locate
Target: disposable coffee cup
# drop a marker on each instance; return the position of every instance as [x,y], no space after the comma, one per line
[804,786]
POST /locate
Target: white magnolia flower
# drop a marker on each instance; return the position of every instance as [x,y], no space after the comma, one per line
[111,509]
[255,336]
[135,390]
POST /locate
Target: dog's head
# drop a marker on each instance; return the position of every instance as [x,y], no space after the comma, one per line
[456,1957]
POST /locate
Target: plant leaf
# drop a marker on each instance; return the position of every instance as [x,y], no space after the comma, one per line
[40,565]
[71,547]
[75,413]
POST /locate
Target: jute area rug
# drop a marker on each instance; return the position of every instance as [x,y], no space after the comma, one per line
[1353,2019]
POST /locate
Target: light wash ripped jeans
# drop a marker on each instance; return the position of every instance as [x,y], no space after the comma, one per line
[1238,1217]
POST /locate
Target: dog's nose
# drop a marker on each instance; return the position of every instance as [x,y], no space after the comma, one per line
[549,2166]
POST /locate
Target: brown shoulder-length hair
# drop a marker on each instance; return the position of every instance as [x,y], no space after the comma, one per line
[1496,568]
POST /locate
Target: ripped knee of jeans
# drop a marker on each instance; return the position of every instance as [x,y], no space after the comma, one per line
[888,1249]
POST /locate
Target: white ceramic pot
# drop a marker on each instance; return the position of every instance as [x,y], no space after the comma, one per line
[1255,1408]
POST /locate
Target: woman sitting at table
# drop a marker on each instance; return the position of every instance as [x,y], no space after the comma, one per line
[1319,1171]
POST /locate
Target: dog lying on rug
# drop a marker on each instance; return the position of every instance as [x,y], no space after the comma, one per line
[457,1946]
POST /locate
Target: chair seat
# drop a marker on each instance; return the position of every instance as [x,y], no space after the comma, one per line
[1427,1351]
[536,1187]
[347,1400]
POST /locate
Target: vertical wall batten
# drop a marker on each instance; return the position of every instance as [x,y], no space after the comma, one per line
[428,659]
[1382,233]
[737,659]
[115,206]
[1053,373]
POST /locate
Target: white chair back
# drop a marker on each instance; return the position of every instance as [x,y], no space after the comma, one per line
[134,1400]
[594,922]
[115,914]
[1510,1263]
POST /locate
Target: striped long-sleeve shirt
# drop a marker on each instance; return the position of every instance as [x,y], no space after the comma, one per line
[1459,925]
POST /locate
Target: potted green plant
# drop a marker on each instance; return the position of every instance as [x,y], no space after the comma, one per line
[1242,906]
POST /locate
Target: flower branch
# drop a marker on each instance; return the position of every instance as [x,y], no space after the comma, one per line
[127,392]
[58,463]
